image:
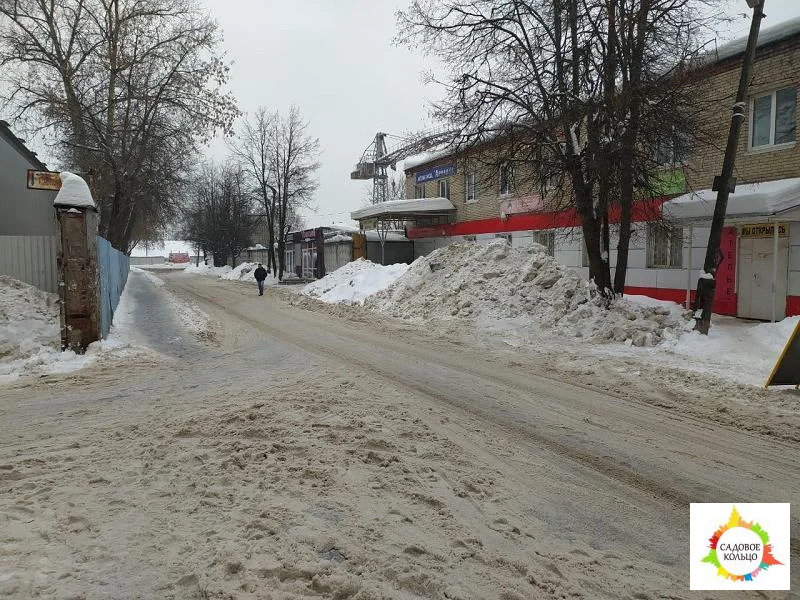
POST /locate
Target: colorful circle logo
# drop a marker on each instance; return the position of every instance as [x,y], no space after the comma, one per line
[740,550]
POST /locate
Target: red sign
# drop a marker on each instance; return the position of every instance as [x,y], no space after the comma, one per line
[178,257]
[725,296]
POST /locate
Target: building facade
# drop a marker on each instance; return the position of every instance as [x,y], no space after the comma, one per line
[761,241]
[28,227]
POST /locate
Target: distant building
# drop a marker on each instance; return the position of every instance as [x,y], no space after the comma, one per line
[762,233]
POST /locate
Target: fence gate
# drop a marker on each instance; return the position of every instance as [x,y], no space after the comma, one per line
[359,246]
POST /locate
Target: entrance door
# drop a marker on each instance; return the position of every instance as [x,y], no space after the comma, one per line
[755,278]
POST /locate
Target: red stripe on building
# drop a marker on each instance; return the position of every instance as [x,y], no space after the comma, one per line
[645,210]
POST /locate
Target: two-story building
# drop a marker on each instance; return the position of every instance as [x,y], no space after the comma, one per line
[761,241]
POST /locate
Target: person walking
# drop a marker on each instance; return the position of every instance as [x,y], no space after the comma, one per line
[260,274]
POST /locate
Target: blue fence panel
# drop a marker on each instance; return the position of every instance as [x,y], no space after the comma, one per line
[114,267]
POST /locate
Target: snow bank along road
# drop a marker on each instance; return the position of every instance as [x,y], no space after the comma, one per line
[298,454]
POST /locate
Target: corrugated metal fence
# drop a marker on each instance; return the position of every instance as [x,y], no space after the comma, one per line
[30,258]
[113,267]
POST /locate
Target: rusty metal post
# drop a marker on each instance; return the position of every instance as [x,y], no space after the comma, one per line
[78,277]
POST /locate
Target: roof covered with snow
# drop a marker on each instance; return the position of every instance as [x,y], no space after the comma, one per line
[425,157]
[404,207]
[750,199]
[766,36]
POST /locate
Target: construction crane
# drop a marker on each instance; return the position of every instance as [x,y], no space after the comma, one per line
[376,159]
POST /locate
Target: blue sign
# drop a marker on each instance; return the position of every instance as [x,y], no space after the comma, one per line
[436,173]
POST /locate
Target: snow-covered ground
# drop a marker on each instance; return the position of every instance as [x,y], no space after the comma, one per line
[354,282]
[525,299]
[30,340]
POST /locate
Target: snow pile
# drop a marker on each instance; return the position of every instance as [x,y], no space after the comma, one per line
[29,324]
[243,272]
[495,281]
[30,336]
[207,270]
[354,282]
[735,349]
[74,192]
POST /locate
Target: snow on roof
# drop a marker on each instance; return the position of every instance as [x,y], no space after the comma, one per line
[766,36]
[425,157]
[767,198]
[74,192]
[416,205]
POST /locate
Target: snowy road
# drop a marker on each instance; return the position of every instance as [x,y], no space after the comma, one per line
[300,455]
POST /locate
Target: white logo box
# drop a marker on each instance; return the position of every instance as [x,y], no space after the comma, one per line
[740,550]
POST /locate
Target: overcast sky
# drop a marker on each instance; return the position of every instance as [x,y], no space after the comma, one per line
[335,59]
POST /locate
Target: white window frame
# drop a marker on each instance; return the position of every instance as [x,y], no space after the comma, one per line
[772,122]
[445,183]
[673,252]
[417,189]
[471,186]
[509,179]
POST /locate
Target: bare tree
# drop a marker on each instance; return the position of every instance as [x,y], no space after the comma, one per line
[294,165]
[578,92]
[129,87]
[218,218]
[254,147]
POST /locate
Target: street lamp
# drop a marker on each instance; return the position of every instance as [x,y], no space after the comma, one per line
[725,184]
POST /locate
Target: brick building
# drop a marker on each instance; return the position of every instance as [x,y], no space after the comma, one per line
[762,234]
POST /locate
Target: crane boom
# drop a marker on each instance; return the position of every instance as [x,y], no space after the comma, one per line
[376,158]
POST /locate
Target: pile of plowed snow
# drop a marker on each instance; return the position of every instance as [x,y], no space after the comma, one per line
[354,282]
[29,322]
[496,281]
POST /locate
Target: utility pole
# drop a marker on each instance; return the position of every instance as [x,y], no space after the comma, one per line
[725,184]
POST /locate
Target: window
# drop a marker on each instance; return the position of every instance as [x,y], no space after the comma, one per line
[419,191]
[773,118]
[471,186]
[470,238]
[546,239]
[506,179]
[444,188]
[505,236]
[664,246]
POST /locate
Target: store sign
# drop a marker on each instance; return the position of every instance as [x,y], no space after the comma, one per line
[436,173]
[44,180]
[309,234]
[524,204]
[762,230]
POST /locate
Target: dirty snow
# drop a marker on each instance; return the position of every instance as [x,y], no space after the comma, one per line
[354,282]
[30,338]
[523,298]
[496,281]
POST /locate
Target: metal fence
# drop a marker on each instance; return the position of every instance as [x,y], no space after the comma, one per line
[30,258]
[113,267]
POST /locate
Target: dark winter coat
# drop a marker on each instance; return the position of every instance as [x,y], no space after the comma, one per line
[260,274]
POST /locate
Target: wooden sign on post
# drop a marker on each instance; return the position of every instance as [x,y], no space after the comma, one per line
[44,180]
[787,369]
